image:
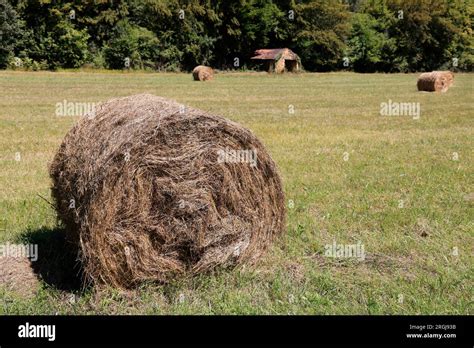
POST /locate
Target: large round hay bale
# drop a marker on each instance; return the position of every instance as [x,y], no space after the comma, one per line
[435,81]
[150,190]
[203,73]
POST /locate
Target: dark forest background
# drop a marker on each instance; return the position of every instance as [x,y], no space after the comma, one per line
[175,35]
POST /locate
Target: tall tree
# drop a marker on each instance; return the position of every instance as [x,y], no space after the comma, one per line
[321,29]
[11,30]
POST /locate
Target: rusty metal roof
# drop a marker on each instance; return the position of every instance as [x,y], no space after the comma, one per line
[273,53]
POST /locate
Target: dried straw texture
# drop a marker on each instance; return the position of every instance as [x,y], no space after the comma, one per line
[436,81]
[153,201]
[203,73]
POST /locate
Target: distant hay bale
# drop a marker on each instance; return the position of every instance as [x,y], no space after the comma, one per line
[150,190]
[203,73]
[436,81]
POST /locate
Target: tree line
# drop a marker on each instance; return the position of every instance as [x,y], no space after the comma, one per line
[175,35]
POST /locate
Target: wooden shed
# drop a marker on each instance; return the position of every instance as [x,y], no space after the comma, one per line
[279,60]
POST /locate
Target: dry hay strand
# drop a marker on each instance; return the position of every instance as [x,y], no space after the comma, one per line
[436,81]
[145,195]
[203,73]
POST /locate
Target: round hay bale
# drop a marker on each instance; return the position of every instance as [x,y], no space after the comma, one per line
[203,73]
[150,190]
[433,82]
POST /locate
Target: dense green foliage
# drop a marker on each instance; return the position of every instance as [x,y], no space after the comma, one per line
[10,31]
[396,35]
[363,35]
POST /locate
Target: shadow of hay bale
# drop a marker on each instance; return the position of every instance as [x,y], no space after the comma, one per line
[57,263]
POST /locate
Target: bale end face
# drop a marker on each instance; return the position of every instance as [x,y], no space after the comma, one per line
[448,75]
[203,73]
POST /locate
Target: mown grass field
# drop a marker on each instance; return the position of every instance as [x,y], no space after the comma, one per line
[401,186]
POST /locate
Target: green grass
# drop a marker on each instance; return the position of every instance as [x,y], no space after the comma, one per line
[409,250]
